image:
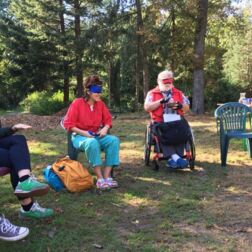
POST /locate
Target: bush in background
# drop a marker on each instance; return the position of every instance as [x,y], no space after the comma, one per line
[44,103]
[221,92]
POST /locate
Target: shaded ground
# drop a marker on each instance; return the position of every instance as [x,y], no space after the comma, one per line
[208,209]
[37,122]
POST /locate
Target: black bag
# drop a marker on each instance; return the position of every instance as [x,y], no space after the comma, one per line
[172,133]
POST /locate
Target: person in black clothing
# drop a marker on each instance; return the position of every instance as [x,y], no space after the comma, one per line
[14,153]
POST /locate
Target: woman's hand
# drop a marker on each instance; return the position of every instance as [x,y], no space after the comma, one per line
[20,126]
[103,131]
[87,134]
[81,132]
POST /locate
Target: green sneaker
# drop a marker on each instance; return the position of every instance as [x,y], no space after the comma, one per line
[36,212]
[30,188]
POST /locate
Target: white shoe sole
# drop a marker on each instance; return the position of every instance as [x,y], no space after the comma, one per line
[16,238]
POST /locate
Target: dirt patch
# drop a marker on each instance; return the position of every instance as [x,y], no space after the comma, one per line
[37,122]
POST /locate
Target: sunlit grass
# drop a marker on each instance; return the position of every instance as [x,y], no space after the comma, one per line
[134,201]
[236,190]
[155,181]
[47,149]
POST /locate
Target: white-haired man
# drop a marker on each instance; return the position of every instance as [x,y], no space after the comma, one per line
[158,103]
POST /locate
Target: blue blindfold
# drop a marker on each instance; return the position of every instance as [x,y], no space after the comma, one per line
[95,88]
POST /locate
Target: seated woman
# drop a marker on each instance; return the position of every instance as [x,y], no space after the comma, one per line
[14,153]
[158,103]
[89,119]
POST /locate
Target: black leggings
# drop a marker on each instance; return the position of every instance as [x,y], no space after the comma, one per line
[14,153]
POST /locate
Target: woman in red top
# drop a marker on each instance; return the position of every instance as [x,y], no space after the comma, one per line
[89,119]
[156,103]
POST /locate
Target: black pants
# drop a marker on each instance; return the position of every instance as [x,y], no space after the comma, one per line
[169,150]
[14,153]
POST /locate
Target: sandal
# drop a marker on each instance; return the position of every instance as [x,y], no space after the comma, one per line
[111,182]
[102,185]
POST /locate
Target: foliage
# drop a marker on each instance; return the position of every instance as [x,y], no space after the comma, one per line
[44,103]
[40,51]
[220,92]
[237,60]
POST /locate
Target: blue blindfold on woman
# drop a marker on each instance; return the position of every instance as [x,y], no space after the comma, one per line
[95,89]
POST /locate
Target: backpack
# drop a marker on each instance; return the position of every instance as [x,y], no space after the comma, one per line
[74,176]
[52,179]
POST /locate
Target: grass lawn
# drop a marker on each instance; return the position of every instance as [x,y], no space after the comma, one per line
[208,209]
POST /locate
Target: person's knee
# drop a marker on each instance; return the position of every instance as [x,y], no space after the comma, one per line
[115,140]
[92,144]
[19,138]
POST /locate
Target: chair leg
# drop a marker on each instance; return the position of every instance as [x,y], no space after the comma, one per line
[72,152]
[217,125]
[224,151]
[222,144]
[249,147]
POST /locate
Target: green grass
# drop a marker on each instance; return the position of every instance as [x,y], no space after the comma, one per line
[151,211]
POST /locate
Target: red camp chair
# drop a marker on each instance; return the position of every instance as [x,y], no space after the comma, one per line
[4,171]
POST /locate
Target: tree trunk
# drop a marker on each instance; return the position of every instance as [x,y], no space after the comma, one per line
[110,73]
[142,70]
[114,89]
[65,63]
[78,49]
[137,87]
[146,76]
[173,53]
[114,65]
[115,84]
[199,49]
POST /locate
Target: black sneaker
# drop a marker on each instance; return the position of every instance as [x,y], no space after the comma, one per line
[10,232]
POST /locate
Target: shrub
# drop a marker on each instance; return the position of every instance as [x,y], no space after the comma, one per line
[44,103]
[221,92]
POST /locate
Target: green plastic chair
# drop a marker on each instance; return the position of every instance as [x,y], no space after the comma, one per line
[217,120]
[232,122]
[71,151]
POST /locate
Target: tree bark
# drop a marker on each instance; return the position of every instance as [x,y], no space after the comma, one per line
[65,63]
[198,57]
[114,64]
[78,49]
[146,75]
[142,69]
[114,87]
[173,29]
[139,56]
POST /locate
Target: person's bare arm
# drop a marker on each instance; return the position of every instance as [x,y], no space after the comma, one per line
[81,132]
[150,106]
[20,126]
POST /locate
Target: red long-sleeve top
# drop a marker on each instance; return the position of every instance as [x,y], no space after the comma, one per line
[81,115]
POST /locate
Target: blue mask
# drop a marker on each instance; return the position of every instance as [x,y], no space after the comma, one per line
[95,88]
